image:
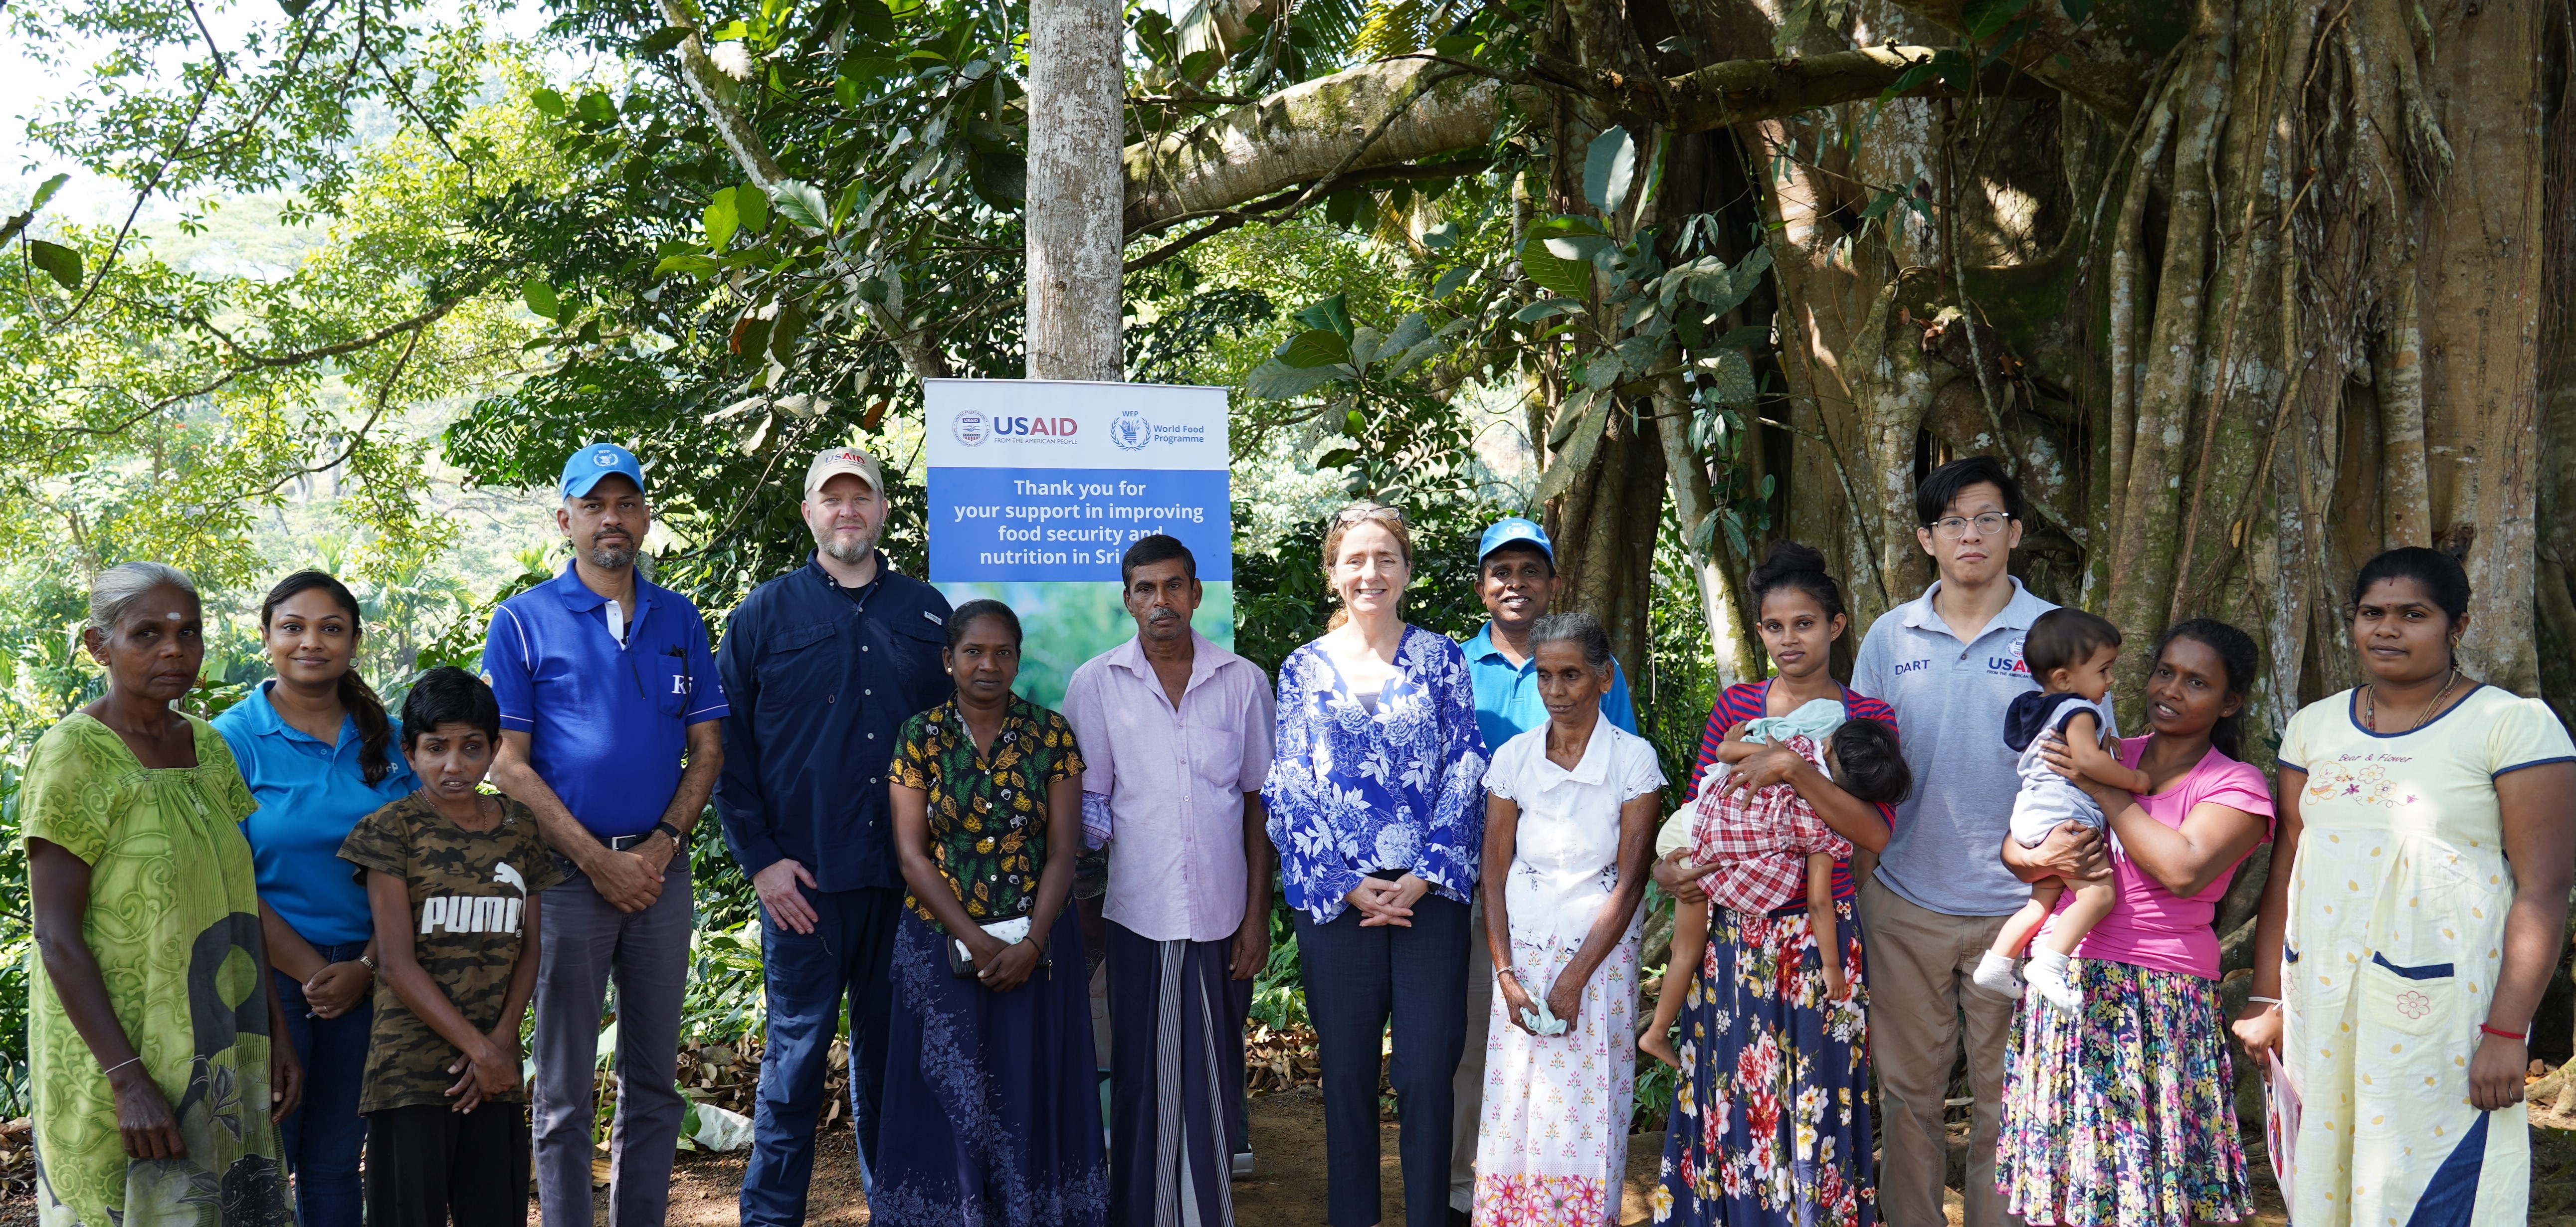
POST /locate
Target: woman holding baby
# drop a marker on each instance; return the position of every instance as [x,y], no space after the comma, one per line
[2118,1110]
[1771,1120]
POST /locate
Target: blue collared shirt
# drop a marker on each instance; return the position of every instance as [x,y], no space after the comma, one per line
[309,795]
[607,723]
[1507,702]
[1950,697]
[821,679]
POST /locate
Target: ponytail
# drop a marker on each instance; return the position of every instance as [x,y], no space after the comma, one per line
[375,731]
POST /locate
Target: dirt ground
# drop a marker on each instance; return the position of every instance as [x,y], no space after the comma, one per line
[1287,1189]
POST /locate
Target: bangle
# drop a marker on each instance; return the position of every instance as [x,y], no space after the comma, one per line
[368,961]
[111,1070]
[2251,999]
[2500,1034]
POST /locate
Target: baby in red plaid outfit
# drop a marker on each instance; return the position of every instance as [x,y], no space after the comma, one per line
[1764,847]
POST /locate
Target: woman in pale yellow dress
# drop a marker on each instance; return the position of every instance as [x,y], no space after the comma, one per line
[2416,906]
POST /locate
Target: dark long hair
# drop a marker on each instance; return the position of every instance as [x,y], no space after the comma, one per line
[1797,565]
[375,732]
[2238,655]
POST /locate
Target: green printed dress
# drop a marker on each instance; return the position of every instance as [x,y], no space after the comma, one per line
[174,923]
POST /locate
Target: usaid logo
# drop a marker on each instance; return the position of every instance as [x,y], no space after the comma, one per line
[971,429]
[1036,430]
[1131,432]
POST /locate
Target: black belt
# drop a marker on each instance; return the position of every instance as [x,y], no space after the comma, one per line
[620,843]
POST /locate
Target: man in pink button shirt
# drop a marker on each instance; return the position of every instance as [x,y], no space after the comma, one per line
[1175,733]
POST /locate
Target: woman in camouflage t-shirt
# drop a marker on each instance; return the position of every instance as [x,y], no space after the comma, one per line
[992,1101]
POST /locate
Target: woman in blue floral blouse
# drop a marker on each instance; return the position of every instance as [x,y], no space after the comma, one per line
[1376,805]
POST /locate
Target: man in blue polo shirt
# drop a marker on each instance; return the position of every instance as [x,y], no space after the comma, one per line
[823,665]
[1949,662]
[609,710]
[1516,579]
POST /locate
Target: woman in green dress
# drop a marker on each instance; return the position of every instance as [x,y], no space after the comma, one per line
[157,1089]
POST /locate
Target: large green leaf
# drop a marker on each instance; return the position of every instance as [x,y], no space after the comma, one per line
[61,263]
[1609,167]
[1451,280]
[541,298]
[661,41]
[722,218]
[801,203]
[1577,436]
[752,206]
[1333,313]
[1276,380]
[1566,272]
[45,191]
[1729,375]
[1313,348]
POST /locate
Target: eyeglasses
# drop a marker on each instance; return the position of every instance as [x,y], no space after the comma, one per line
[1354,515]
[1955,527]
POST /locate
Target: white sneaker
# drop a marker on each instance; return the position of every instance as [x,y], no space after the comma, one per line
[2052,981]
[1996,973]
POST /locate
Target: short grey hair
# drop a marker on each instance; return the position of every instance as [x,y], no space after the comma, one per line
[1580,629]
[113,593]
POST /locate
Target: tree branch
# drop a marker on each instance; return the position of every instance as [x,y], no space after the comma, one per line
[1394,112]
[710,87]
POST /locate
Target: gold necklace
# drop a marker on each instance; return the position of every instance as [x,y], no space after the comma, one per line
[2370,712]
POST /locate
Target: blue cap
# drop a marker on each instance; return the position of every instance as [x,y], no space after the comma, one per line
[584,468]
[1510,529]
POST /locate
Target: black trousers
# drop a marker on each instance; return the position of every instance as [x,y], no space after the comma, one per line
[428,1166]
[1357,982]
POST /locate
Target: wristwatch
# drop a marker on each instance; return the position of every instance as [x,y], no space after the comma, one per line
[678,838]
[370,961]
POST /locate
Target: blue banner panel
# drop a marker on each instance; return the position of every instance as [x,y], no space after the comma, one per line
[1030,525]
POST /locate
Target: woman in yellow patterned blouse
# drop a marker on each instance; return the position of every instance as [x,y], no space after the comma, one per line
[998,1118]
[2416,905]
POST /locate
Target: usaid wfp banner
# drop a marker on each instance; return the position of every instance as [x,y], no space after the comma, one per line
[1037,488]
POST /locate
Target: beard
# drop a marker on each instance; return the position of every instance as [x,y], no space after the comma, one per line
[851,548]
[612,557]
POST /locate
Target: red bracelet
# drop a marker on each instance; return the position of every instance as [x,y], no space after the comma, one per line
[2509,1035]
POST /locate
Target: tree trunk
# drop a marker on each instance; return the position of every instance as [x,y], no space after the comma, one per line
[1076,242]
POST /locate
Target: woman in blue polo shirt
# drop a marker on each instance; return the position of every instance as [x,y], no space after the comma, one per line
[315,746]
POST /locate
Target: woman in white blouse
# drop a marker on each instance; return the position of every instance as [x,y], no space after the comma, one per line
[1569,825]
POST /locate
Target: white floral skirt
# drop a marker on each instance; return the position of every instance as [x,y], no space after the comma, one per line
[1553,1145]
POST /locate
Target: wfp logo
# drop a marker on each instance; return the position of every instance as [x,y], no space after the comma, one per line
[971,428]
[604,458]
[1131,432]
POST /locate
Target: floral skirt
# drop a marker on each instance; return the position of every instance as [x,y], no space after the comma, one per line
[2125,1112]
[1771,1121]
[1552,1147]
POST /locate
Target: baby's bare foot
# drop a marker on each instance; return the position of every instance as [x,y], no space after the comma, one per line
[1660,1046]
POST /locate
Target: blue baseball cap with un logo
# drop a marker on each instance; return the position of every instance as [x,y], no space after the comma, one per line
[585,467]
[1514,530]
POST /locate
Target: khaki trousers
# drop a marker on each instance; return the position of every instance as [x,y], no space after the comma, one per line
[1919,964]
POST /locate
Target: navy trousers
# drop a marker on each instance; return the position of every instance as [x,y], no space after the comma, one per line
[807,977]
[1357,982]
[322,1139]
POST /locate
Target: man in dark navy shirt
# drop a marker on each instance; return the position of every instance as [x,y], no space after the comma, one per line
[822,667]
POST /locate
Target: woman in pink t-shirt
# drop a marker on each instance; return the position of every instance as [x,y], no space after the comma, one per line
[2123,1113]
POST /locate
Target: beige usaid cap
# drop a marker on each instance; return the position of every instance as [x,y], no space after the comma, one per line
[842,460]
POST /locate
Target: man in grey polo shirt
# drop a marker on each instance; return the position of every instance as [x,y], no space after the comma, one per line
[1949,662]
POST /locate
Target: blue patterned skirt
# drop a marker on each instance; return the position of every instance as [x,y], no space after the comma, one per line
[1771,1121]
[992,1100]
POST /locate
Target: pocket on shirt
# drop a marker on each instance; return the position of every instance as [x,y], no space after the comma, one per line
[670,681]
[792,673]
[2403,1000]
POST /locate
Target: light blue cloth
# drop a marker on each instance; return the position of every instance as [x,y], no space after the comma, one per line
[1507,702]
[1813,719]
[309,795]
[1400,789]
[1949,699]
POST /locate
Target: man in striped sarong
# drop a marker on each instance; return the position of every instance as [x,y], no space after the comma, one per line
[1175,734]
